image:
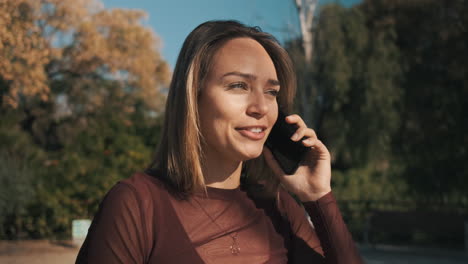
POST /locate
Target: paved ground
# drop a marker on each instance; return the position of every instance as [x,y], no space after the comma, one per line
[38,252]
[403,255]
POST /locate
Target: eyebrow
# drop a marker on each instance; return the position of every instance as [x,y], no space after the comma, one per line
[250,77]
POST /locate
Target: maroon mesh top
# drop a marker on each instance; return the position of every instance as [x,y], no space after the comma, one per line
[139,221]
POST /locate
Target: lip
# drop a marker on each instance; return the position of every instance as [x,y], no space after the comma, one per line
[251,135]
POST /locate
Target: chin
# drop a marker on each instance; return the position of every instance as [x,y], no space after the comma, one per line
[252,155]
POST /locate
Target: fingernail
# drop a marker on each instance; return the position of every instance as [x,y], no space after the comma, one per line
[294,137]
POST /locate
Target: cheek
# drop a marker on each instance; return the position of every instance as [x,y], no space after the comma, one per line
[223,118]
[216,118]
[272,116]
[273,113]
[224,108]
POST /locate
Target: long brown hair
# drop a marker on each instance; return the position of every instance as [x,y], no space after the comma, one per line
[178,157]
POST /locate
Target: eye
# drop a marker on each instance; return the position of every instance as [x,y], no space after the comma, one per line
[241,85]
[273,92]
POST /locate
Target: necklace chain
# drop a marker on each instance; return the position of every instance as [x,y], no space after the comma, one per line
[235,249]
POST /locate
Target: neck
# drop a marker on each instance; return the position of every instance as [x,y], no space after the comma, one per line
[222,174]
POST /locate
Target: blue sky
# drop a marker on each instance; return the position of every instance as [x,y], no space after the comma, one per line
[172,20]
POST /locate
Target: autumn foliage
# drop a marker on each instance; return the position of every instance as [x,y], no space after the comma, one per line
[45,40]
[80,100]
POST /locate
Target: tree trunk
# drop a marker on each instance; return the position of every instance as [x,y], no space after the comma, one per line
[306,10]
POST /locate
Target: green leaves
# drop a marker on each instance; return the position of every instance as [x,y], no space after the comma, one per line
[79,89]
[389,89]
[356,72]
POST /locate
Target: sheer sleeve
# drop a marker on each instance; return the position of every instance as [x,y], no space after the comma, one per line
[325,240]
[117,232]
[337,244]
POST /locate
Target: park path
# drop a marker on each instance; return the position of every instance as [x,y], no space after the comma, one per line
[39,252]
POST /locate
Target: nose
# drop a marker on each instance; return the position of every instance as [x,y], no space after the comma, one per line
[258,105]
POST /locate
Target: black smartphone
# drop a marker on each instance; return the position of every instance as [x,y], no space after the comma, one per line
[287,153]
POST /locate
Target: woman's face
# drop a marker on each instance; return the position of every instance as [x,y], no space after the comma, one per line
[237,103]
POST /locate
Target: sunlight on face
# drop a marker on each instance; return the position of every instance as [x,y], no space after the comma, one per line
[237,104]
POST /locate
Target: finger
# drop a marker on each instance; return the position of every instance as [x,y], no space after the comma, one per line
[319,150]
[300,132]
[295,119]
[309,142]
[304,132]
[271,161]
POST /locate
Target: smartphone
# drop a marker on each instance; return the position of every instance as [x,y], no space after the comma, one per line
[287,153]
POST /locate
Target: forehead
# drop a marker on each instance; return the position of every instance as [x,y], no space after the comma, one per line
[243,55]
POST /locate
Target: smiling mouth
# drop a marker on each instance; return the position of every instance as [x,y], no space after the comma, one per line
[255,129]
[254,133]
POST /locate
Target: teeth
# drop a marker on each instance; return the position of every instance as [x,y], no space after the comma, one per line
[255,130]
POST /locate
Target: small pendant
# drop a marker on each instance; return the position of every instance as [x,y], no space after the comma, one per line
[235,249]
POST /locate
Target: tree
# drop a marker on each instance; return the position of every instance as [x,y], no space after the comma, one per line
[356,69]
[48,40]
[56,55]
[306,11]
[431,143]
[23,52]
[305,91]
[80,85]
[18,158]
[356,74]
[391,79]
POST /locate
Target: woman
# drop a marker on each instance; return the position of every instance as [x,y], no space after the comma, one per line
[214,194]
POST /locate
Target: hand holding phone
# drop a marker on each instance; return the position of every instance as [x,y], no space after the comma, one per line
[287,153]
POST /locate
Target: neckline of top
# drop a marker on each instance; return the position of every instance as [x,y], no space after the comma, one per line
[219,193]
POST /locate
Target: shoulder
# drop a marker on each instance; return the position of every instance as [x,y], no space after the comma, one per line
[123,228]
[139,199]
[139,192]
[143,183]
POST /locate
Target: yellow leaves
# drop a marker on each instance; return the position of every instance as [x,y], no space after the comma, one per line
[23,52]
[67,14]
[116,40]
[112,43]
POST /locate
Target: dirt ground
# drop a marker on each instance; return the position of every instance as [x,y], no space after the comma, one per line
[37,252]
[64,252]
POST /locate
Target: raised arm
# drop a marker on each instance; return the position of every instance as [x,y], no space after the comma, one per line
[311,183]
[336,241]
